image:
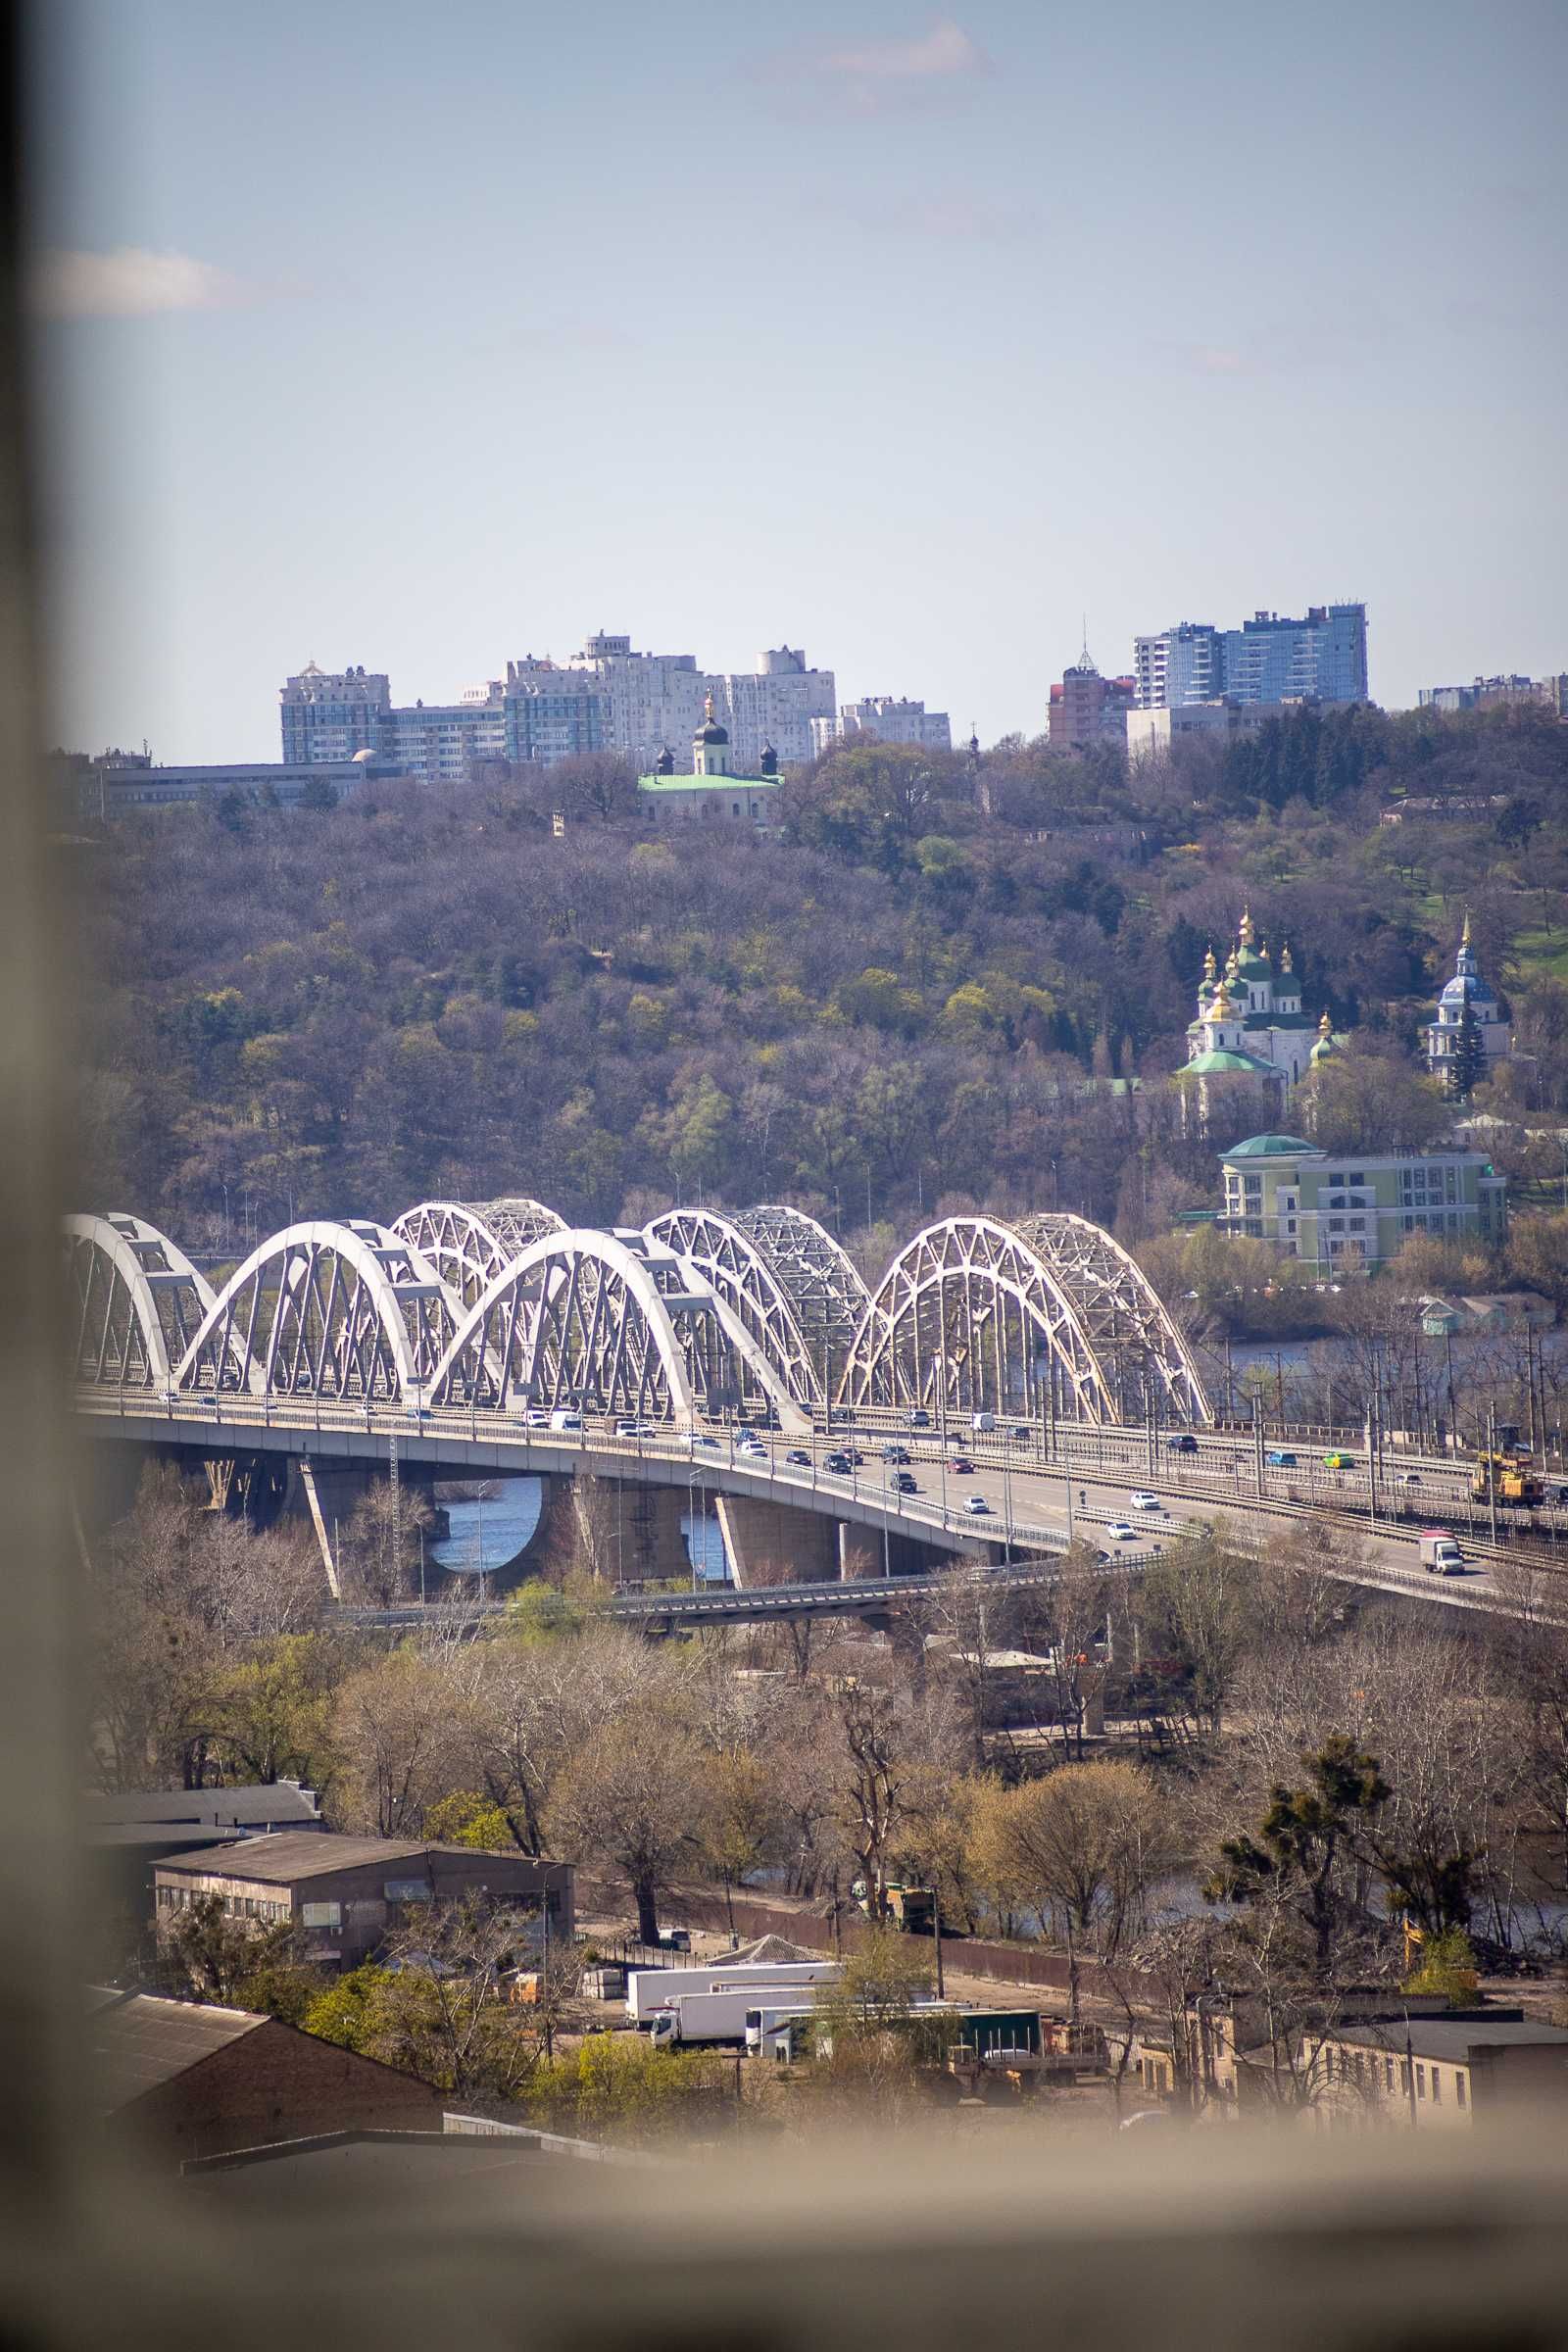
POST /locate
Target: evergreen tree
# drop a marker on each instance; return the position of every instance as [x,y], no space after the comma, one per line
[1467,1065]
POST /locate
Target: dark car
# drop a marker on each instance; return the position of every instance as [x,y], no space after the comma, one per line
[904,1482]
[919,1419]
[961,1465]
[799,1456]
[1022,1434]
[1184,1444]
[895,1454]
[855,1455]
[837,1463]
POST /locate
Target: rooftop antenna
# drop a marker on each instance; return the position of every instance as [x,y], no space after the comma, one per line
[1085,660]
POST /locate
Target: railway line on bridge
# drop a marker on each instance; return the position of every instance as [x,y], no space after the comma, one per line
[732,1359]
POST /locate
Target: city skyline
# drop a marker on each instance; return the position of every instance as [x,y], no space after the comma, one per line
[765,336]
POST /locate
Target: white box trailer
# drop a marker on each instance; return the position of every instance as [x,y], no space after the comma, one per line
[652,1988]
[722,2015]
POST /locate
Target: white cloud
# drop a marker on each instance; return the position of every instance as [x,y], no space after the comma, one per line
[874,78]
[130,283]
[943,52]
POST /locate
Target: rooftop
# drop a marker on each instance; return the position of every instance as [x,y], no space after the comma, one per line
[214,1808]
[1272,1147]
[1453,2039]
[315,1854]
[135,2044]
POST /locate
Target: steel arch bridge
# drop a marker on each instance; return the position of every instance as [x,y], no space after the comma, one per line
[1047,1317]
[349,1312]
[468,1242]
[134,1302]
[607,1323]
[787,1279]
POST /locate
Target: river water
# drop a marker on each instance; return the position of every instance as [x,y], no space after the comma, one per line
[488,1535]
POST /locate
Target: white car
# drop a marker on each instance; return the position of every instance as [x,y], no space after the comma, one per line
[1118,1532]
[977,1507]
[750,1450]
[1138,1500]
[536,1418]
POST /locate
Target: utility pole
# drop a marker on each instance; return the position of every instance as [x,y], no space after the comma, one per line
[1491,1467]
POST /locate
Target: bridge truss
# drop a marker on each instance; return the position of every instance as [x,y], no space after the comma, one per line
[607,1324]
[1048,1319]
[349,1312]
[788,1281]
[133,1302]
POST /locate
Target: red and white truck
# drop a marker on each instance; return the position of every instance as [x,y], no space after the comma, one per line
[1440,1552]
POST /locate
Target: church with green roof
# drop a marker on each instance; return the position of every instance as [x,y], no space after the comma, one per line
[1250,1024]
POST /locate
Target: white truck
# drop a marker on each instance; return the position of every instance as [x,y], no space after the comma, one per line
[649,1989]
[722,2014]
[1440,1552]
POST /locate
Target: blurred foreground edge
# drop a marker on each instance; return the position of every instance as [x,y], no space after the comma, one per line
[1211,2238]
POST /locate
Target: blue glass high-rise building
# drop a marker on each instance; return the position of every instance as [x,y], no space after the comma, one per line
[1267,660]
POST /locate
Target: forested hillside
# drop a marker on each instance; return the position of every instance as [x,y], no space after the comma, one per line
[900,1001]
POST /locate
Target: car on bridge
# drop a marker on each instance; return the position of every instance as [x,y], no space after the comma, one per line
[895,1454]
[635,1429]
[837,1463]
[1338,1461]
[903,1483]
[699,1437]
[536,1417]
[1118,1532]
[1139,1500]
[977,1507]
[919,1418]
[1279,1461]
[961,1466]
[1022,1434]
[799,1456]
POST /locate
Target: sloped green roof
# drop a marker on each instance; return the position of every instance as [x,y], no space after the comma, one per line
[1214,1065]
[1271,1147]
[1255,967]
[1287,1020]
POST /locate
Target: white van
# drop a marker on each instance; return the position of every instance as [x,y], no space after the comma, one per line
[564,1418]
[983,1421]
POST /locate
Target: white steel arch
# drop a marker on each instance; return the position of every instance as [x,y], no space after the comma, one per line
[824,1284]
[1123,1314]
[344,1311]
[974,1314]
[454,1237]
[134,1302]
[518,1222]
[597,1322]
[725,1254]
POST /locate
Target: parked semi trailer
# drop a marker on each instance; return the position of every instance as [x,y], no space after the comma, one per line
[649,1989]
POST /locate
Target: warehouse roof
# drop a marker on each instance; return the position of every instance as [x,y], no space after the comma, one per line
[134,2046]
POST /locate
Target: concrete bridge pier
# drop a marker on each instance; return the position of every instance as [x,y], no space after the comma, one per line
[770,1544]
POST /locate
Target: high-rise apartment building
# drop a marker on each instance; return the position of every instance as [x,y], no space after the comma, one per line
[1269,659]
[608,696]
[330,715]
[885,718]
[1087,708]
[772,708]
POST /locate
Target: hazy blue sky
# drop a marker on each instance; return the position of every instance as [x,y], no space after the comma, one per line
[426,335]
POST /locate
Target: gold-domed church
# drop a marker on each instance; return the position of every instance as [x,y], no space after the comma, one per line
[1250,1022]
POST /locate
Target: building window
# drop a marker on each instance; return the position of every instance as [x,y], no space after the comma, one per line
[1420,2079]
[1458,2086]
[1437,2087]
[322,1915]
[408,1890]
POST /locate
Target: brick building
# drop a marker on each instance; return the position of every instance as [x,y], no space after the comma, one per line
[347,1894]
[183,2079]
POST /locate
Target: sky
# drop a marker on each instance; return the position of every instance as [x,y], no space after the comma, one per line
[428,336]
